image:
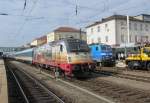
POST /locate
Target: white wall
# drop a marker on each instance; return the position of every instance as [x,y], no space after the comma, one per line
[122,30]
[116,29]
[104,31]
[50,37]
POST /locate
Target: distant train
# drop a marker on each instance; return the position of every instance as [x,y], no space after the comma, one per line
[102,54]
[24,56]
[69,56]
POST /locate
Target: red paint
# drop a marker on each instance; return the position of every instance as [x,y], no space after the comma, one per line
[66,67]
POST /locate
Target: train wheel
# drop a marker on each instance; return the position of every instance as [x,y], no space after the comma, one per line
[63,74]
[130,65]
[148,66]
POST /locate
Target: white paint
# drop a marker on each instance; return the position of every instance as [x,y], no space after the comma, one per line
[104,31]
[116,29]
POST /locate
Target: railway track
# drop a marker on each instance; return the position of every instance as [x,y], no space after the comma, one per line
[126,76]
[118,93]
[112,91]
[33,90]
[15,92]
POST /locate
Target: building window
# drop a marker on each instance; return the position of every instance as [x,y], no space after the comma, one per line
[98,29]
[99,40]
[107,30]
[96,48]
[106,38]
[146,27]
[122,38]
[106,25]
[130,38]
[92,30]
[136,38]
[146,38]
[122,23]
[130,26]
[135,26]
[141,27]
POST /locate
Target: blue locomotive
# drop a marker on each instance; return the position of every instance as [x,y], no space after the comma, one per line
[102,54]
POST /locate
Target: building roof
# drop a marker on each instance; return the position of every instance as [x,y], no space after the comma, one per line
[67,29]
[120,17]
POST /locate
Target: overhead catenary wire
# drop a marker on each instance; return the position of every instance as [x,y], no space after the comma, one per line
[79,8]
[25,3]
[23,24]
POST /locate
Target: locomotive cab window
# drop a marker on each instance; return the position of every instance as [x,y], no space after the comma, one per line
[61,48]
[96,48]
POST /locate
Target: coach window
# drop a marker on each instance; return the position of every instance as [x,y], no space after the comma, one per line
[96,48]
[61,48]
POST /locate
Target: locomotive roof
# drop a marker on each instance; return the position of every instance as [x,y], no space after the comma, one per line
[24,51]
[98,44]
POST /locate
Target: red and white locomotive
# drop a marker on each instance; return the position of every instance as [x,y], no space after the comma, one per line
[69,56]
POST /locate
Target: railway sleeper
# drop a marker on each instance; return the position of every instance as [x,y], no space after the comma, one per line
[147,100]
[132,94]
[141,97]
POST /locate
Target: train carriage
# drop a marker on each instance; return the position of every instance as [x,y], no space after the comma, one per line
[24,56]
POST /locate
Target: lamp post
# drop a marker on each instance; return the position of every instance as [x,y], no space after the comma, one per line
[127,41]
[128,29]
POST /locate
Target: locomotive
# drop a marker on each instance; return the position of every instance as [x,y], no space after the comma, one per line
[102,54]
[69,56]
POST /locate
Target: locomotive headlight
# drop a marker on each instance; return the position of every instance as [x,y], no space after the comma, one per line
[69,59]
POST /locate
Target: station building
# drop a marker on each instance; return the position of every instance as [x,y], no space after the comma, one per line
[58,34]
[113,30]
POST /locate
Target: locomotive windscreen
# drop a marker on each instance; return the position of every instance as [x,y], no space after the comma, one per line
[106,48]
[78,46]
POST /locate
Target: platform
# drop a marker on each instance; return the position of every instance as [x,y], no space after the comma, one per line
[3,83]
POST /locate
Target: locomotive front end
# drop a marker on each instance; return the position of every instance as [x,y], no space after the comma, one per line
[79,57]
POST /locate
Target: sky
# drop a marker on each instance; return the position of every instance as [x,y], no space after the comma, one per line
[22,24]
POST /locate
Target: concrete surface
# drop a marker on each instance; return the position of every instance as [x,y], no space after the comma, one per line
[3,83]
[120,63]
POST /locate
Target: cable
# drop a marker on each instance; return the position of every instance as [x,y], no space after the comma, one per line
[22,26]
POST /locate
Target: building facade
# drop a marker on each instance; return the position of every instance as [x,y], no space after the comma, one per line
[58,34]
[66,32]
[34,43]
[113,30]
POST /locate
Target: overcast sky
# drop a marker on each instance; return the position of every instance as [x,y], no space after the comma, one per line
[39,17]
